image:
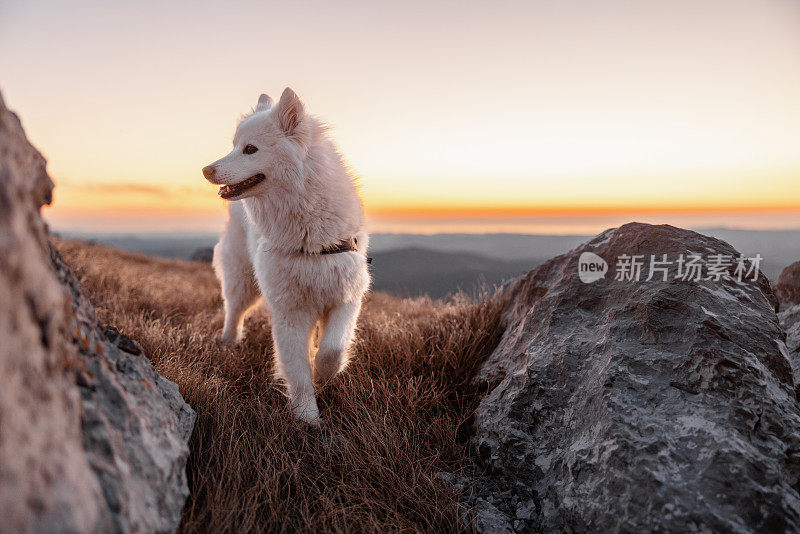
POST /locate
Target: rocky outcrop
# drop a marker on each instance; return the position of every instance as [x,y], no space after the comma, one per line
[625,406]
[787,288]
[46,483]
[92,439]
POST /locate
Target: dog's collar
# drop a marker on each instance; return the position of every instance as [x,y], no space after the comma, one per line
[348,245]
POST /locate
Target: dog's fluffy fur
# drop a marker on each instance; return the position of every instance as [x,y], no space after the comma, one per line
[306,201]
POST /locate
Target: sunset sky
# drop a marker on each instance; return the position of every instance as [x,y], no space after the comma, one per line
[544,111]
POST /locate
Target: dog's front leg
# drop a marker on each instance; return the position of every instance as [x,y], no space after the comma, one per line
[337,334]
[292,332]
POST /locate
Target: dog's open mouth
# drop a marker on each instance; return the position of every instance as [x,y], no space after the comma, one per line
[234,190]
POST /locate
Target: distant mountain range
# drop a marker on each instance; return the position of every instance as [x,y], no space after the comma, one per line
[417,271]
[439,264]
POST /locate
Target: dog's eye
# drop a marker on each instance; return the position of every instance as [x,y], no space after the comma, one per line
[250,149]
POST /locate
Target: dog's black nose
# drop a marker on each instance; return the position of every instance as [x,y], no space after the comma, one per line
[208,172]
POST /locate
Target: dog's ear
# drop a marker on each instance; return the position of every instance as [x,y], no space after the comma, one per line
[264,103]
[290,111]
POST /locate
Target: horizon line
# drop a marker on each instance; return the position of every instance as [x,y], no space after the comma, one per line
[464,211]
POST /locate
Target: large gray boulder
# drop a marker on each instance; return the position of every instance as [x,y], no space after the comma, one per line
[624,406]
[92,439]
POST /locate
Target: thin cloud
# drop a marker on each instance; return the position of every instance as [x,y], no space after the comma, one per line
[146,189]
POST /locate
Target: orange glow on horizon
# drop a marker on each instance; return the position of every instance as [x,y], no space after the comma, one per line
[427,219]
[566,211]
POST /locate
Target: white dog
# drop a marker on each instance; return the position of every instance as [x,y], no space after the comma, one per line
[296,232]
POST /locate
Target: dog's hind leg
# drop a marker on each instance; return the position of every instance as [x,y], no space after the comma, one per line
[292,334]
[337,335]
[239,289]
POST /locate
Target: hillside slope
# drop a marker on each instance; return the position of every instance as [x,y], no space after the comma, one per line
[418,271]
[393,420]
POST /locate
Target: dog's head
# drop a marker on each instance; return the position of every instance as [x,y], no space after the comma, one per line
[268,147]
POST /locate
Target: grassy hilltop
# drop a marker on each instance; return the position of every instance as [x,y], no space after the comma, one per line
[395,418]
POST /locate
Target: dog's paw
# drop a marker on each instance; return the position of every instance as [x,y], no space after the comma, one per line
[307,412]
[228,342]
[313,423]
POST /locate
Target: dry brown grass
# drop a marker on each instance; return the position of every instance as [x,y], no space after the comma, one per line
[396,417]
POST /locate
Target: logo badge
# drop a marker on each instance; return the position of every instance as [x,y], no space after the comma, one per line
[591,267]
